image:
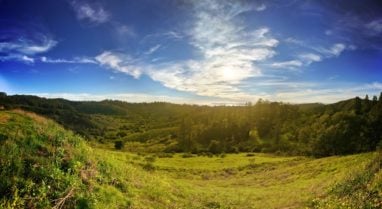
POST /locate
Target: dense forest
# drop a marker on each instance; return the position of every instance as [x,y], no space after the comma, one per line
[346,127]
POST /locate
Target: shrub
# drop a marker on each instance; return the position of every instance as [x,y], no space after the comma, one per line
[118,145]
[187,155]
[250,155]
[150,159]
[164,155]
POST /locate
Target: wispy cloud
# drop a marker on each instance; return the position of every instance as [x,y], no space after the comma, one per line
[27,59]
[336,49]
[22,44]
[119,63]
[152,49]
[228,54]
[76,60]
[292,64]
[375,26]
[308,58]
[317,54]
[27,46]
[261,7]
[90,11]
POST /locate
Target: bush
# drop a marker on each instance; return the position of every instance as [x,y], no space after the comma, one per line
[150,159]
[250,154]
[149,166]
[187,155]
[118,145]
[165,155]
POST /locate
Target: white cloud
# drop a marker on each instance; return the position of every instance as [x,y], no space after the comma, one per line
[27,46]
[308,58]
[292,64]
[337,49]
[303,60]
[27,59]
[90,11]
[152,49]
[227,54]
[334,51]
[76,60]
[261,7]
[227,49]
[119,63]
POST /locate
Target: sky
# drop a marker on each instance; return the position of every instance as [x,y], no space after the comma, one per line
[199,52]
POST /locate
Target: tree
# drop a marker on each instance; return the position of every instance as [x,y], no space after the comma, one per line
[380,97]
[357,105]
[375,99]
[214,147]
[118,145]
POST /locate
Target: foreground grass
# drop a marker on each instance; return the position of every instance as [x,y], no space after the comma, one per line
[235,181]
[45,166]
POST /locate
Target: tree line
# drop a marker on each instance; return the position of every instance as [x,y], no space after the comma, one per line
[346,127]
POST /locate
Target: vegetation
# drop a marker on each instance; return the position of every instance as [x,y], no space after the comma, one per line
[347,127]
[223,159]
[42,165]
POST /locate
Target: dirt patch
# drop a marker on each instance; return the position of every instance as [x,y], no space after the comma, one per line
[4,118]
[33,116]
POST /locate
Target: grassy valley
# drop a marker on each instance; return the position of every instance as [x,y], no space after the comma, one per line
[113,154]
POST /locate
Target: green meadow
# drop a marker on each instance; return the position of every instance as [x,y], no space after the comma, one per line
[44,165]
[238,180]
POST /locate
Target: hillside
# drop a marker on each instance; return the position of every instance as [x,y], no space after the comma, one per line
[46,166]
[346,127]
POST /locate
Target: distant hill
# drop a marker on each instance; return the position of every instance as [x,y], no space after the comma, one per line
[345,127]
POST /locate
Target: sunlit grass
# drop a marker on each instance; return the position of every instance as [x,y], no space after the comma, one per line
[102,178]
[235,181]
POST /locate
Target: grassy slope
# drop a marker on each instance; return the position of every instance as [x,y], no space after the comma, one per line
[43,163]
[237,181]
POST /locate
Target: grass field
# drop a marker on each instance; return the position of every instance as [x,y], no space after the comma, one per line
[42,164]
[239,181]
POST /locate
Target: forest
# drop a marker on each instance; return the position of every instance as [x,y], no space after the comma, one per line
[346,127]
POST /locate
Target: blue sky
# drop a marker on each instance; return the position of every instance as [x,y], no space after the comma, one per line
[203,52]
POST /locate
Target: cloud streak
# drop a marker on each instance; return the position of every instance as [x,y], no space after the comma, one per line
[119,62]
[76,60]
[22,42]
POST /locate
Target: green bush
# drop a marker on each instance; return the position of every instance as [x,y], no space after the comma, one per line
[187,155]
[118,145]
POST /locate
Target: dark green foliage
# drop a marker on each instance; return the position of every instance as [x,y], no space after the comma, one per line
[345,127]
[187,155]
[118,145]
